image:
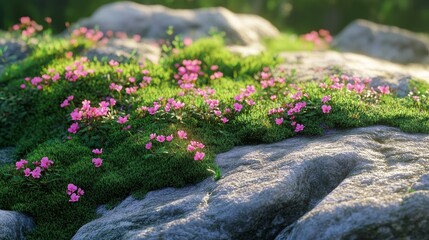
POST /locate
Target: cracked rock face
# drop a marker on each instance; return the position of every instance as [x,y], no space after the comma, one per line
[367,182]
[316,65]
[13,225]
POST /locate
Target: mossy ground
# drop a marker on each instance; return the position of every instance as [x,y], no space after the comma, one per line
[34,123]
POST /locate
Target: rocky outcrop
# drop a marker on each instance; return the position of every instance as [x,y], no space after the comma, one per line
[317,65]
[153,21]
[123,49]
[350,184]
[13,225]
[12,50]
[385,42]
[6,155]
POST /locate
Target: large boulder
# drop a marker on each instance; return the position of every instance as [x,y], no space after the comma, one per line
[367,182]
[315,66]
[13,225]
[385,42]
[152,21]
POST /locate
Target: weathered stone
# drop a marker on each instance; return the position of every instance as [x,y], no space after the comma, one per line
[123,49]
[342,185]
[6,155]
[12,50]
[153,21]
[13,225]
[385,42]
[317,65]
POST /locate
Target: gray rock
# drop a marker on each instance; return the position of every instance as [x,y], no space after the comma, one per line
[316,65]
[12,50]
[153,21]
[6,155]
[13,225]
[342,185]
[385,42]
[123,49]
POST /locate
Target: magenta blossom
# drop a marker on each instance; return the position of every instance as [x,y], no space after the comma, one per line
[182,134]
[27,172]
[71,188]
[199,156]
[299,127]
[279,121]
[74,197]
[36,173]
[237,107]
[148,145]
[73,128]
[326,99]
[160,138]
[97,151]
[326,109]
[21,164]
[169,138]
[97,162]
[45,163]
[384,89]
[123,120]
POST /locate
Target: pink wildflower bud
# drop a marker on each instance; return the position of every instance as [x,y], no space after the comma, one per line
[199,156]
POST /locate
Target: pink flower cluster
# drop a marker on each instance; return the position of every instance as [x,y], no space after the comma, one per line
[326,108]
[132,88]
[194,146]
[90,34]
[44,80]
[29,27]
[292,110]
[67,101]
[40,167]
[77,70]
[267,80]
[318,38]
[97,161]
[74,192]
[216,73]
[188,73]
[86,112]
[171,104]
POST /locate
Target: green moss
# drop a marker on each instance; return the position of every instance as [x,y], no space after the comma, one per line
[37,126]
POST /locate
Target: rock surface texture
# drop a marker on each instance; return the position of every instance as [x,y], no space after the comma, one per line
[363,183]
[13,225]
[316,65]
[6,155]
[12,50]
[153,21]
[385,42]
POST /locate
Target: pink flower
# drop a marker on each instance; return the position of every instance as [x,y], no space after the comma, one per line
[190,148]
[182,134]
[112,102]
[65,103]
[113,63]
[169,138]
[152,136]
[279,121]
[123,120]
[299,127]
[45,163]
[148,145]
[97,151]
[74,197]
[187,41]
[71,188]
[326,99]
[224,120]
[80,192]
[73,128]
[27,172]
[21,164]
[160,138]
[76,115]
[97,162]
[36,173]
[237,107]
[22,86]
[384,89]
[199,156]
[326,109]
